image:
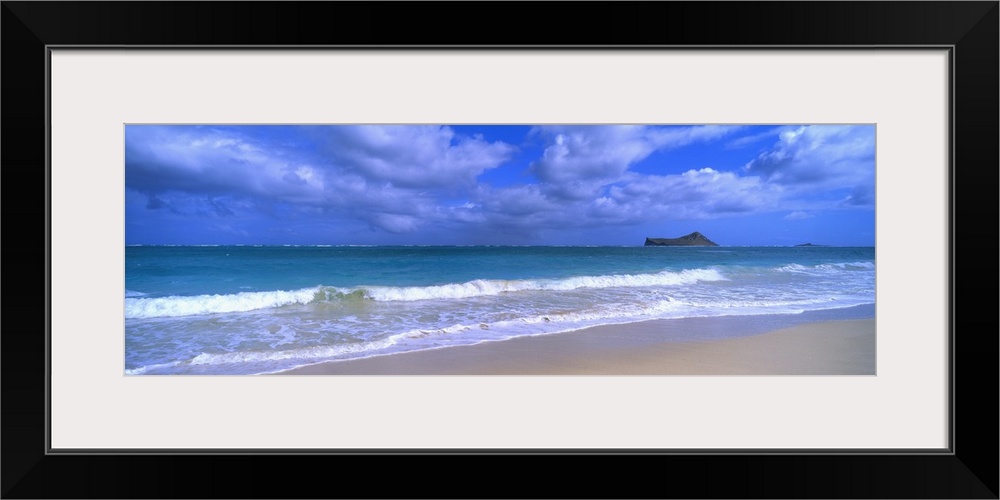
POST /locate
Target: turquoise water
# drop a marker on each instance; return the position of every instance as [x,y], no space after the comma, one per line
[260,309]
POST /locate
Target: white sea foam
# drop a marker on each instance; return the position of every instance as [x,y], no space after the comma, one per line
[495,331]
[136,307]
[481,288]
[552,322]
[146,369]
[792,268]
[848,265]
[837,266]
[207,304]
[306,353]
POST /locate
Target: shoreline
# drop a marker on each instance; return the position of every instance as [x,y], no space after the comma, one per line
[807,344]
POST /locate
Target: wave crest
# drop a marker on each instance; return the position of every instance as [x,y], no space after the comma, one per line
[142,307]
[836,266]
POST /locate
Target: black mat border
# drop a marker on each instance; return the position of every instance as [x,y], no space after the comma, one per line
[968,470]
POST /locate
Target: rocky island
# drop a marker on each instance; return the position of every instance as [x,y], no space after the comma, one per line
[694,239]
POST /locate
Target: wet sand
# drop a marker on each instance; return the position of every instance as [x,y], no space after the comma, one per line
[660,347]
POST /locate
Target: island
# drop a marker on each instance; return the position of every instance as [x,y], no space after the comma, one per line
[809,245]
[694,239]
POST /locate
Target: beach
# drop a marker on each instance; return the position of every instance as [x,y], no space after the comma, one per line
[254,310]
[826,347]
[606,248]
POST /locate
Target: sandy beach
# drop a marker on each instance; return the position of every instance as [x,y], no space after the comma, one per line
[662,347]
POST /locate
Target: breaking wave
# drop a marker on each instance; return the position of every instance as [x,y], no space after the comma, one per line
[147,307]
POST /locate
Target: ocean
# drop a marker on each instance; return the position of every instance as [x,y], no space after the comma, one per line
[229,310]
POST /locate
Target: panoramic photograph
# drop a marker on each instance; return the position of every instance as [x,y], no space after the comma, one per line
[456,249]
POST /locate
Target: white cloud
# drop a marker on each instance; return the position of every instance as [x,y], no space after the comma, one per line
[633,199]
[819,156]
[798,215]
[405,179]
[215,161]
[862,195]
[396,223]
[695,194]
[417,156]
[387,176]
[579,160]
[747,140]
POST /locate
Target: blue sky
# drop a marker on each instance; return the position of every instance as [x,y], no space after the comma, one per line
[498,184]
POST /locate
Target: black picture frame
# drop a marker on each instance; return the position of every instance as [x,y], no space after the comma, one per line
[968,470]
